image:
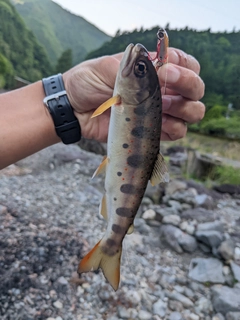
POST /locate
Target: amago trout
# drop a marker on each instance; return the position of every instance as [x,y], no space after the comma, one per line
[132,159]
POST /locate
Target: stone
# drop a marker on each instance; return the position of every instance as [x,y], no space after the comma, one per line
[175,316]
[237,254]
[228,188]
[218,316]
[187,242]
[144,315]
[225,299]
[175,204]
[233,316]
[133,297]
[171,219]
[209,237]
[214,225]
[203,305]
[236,271]
[226,249]
[170,235]
[58,304]
[186,302]
[3,209]
[123,312]
[149,214]
[206,270]
[160,308]
[199,214]
[175,305]
[175,185]
[204,201]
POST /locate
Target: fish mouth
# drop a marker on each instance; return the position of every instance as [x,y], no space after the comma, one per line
[132,53]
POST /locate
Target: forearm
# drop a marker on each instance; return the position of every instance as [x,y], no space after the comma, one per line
[25,124]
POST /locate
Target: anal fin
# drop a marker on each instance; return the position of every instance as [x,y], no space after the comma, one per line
[160,171]
[102,167]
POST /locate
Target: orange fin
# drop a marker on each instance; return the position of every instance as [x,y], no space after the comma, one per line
[110,265]
[160,171]
[106,105]
[102,167]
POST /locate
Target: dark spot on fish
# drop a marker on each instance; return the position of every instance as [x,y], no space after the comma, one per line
[140,111]
[135,161]
[138,132]
[117,229]
[128,188]
[125,145]
[124,212]
[119,174]
[115,199]
[111,242]
[127,119]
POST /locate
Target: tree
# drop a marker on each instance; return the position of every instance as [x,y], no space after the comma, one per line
[64,62]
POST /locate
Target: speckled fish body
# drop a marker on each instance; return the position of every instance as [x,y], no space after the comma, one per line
[133,157]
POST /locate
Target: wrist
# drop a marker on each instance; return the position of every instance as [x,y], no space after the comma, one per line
[56,100]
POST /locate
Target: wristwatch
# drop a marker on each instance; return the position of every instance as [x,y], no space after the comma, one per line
[66,124]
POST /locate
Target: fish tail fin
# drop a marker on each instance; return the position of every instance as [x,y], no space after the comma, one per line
[110,265]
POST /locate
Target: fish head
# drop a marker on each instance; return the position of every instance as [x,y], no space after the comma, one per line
[137,78]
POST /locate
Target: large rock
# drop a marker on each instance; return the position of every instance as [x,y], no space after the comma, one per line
[225,299]
[206,270]
[211,238]
[177,239]
[228,188]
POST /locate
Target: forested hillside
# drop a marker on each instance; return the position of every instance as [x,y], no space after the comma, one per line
[59,30]
[219,56]
[20,53]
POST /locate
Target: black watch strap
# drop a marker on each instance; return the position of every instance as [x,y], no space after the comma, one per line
[66,124]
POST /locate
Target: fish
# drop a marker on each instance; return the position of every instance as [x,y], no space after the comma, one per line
[133,157]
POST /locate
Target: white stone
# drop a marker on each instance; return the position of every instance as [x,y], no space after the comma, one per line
[237,253]
[149,214]
[58,304]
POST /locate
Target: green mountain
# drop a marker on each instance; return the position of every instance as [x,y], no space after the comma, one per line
[58,29]
[218,54]
[20,53]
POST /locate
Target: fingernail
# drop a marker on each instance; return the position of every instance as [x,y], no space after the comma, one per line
[166,102]
[173,73]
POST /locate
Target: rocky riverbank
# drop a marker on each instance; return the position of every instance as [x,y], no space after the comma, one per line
[181,262]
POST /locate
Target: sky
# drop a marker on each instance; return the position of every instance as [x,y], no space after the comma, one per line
[126,15]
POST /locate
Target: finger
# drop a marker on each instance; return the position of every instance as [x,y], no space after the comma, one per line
[181,58]
[172,128]
[184,109]
[118,56]
[183,81]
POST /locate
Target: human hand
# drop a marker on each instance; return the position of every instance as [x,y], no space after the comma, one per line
[91,83]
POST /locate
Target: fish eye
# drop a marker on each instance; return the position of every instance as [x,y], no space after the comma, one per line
[140,68]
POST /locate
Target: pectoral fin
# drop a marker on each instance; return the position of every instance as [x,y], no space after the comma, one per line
[102,167]
[160,171]
[106,105]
